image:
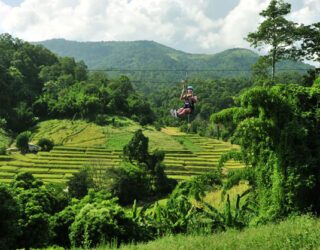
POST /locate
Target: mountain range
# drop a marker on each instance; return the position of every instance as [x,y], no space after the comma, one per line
[151,61]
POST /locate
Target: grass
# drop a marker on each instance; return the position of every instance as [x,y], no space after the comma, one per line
[216,199]
[301,232]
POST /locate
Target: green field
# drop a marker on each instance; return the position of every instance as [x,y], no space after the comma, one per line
[294,233]
[80,144]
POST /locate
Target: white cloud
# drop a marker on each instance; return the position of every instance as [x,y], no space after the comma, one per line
[243,19]
[189,25]
[308,14]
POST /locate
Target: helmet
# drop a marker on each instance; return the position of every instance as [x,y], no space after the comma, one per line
[190,87]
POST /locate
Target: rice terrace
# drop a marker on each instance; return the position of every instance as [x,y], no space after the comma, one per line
[83,144]
[136,124]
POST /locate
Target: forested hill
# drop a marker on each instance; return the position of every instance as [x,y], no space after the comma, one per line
[149,55]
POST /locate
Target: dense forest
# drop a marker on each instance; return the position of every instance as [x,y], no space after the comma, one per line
[36,84]
[273,117]
[147,61]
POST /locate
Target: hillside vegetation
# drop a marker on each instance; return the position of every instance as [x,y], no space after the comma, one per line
[293,233]
[4,139]
[148,55]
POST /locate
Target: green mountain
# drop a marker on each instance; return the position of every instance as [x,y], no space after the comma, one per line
[152,61]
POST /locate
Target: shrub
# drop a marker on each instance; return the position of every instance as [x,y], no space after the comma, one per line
[101,119]
[3,122]
[25,180]
[60,225]
[22,142]
[128,183]
[79,184]
[316,82]
[158,126]
[9,213]
[2,150]
[45,144]
[103,222]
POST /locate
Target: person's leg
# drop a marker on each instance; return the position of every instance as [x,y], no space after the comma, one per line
[184,112]
[180,110]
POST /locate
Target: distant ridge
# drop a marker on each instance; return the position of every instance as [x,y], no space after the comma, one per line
[150,55]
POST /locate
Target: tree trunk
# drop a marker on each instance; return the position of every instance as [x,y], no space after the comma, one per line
[273,64]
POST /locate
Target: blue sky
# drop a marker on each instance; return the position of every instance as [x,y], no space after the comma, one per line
[197,26]
[13,2]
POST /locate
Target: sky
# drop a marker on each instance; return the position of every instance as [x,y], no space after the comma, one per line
[195,26]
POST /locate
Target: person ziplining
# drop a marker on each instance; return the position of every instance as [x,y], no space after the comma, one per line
[189,100]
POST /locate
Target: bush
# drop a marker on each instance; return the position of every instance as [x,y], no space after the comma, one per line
[316,82]
[3,122]
[103,222]
[9,214]
[157,126]
[3,150]
[101,120]
[128,183]
[22,142]
[60,225]
[45,144]
[79,184]
[197,186]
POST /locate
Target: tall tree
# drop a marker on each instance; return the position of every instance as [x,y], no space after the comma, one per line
[311,41]
[275,31]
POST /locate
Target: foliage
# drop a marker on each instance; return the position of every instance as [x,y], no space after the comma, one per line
[310,35]
[278,132]
[60,225]
[198,186]
[137,148]
[152,55]
[22,141]
[128,183]
[9,214]
[36,204]
[97,223]
[19,81]
[79,183]
[298,232]
[45,144]
[275,31]
[61,222]
[136,151]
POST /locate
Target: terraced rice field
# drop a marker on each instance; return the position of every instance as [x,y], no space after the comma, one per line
[59,164]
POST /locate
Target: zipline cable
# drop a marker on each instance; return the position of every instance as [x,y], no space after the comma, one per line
[188,70]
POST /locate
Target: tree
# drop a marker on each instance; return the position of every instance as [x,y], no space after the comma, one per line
[36,205]
[261,71]
[60,224]
[22,118]
[128,183]
[275,31]
[278,131]
[310,47]
[45,144]
[22,142]
[136,151]
[25,180]
[9,214]
[137,148]
[79,184]
[101,222]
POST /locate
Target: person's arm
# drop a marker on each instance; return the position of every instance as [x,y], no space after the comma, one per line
[182,94]
[194,99]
